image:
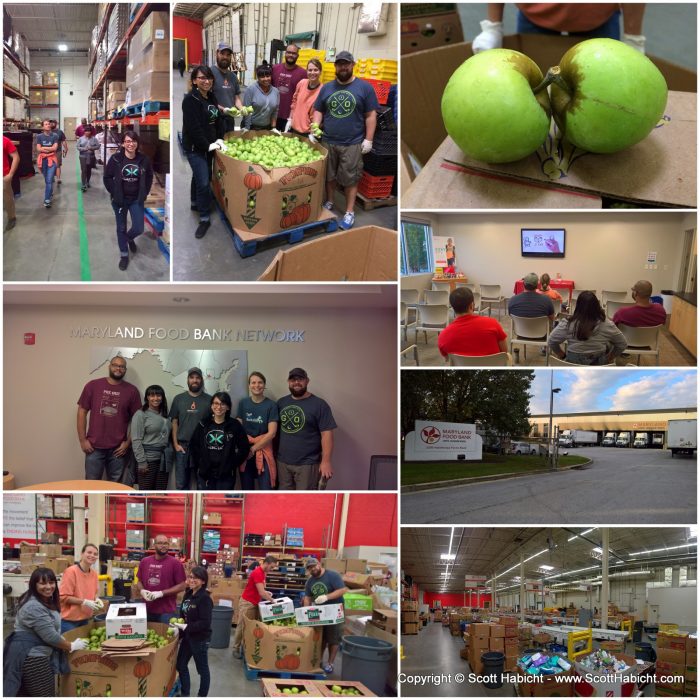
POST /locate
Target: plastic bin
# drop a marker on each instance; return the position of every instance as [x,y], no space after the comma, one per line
[493,668]
[366,660]
[667,300]
[644,651]
[221,619]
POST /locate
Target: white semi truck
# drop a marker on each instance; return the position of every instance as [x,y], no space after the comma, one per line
[641,440]
[682,436]
[623,439]
[577,438]
[609,439]
[657,440]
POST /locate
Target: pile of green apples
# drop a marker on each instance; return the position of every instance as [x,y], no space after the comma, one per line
[242,112]
[286,622]
[155,639]
[604,97]
[337,690]
[271,151]
[294,690]
[97,636]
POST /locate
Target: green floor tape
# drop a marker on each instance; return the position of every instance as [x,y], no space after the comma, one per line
[85,274]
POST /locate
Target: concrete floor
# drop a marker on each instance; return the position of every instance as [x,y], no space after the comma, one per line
[46,244]
[646,487]
[668,27]
[435,651]
[214,257]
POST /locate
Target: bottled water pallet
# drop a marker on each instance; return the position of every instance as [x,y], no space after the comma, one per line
[254,674]
[246,243]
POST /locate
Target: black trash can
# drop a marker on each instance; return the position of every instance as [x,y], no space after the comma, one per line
[493,668]
[637,631]
[645,651]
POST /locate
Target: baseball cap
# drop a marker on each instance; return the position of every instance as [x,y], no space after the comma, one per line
[531,280]
[223,46]
[345,56]
[310,563]
[195,370]
[297,372]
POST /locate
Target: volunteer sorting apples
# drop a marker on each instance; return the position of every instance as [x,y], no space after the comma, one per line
[78,591]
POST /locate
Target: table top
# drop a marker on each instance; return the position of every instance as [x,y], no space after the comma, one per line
[554,284]
[77,485]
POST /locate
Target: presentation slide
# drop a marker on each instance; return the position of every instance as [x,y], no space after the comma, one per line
[542,241]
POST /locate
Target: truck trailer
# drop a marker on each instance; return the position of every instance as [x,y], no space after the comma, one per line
[641,440]
[657,440]
[682,436]
[577,438]
[623,439]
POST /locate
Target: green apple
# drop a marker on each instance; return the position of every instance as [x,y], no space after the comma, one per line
[606,96]
[490,109]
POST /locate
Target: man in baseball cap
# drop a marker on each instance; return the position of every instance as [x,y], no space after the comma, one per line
[306,436]
[530,304]
[186,410]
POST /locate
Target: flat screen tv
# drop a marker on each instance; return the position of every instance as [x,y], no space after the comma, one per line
[542,242]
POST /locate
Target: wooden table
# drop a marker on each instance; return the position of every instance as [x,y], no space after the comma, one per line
[77,485]
[519,287]
[451,281]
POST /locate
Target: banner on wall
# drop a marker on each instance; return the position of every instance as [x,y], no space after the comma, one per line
[19,516]
[444,251]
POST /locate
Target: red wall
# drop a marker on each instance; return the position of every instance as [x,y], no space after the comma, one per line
[190,29]
[372,520]
[454,600]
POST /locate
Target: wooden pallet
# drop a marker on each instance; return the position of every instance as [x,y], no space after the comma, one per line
[148,107]
[254,674]
[246,243]
[369,204]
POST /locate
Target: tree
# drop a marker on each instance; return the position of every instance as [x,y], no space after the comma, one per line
[497,399]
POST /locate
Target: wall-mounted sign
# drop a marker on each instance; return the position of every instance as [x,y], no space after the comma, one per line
[435,441]
[231,335]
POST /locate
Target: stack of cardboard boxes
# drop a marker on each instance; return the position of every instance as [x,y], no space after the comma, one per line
[409,617]
[676,655]
[484,636]
[32,556]
[116,95]
[147,72]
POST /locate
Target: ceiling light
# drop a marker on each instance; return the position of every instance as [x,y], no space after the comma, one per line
[546,567]
[661,549]
[449,557]
[62,47]
[585,532]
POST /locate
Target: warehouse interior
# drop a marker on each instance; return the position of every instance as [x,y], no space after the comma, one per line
[354,535]
[573,594]
[102,63]
[491,260]
[258,32]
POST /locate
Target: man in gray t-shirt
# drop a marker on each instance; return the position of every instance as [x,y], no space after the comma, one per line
[306,437]
[530,304]
[227,90]
[186,410]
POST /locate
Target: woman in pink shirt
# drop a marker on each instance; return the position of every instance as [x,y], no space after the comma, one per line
[305,95]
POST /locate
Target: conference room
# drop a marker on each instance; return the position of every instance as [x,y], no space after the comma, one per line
[548,288]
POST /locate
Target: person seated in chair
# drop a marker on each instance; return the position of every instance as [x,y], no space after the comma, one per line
[470,334]
[530,304]
[644,312]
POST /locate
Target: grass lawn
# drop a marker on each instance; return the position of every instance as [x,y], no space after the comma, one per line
[424,472]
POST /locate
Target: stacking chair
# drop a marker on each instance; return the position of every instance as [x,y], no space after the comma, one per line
[612,307]
[556,362]
[490,295]
[557,307]
[530,331]
[606,295]
[411,350]
[445,286]
[499,359]
[436,296]
[641,340]
[431,317]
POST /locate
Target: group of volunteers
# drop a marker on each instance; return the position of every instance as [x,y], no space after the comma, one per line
[285,98]
[35,652]
[201,437]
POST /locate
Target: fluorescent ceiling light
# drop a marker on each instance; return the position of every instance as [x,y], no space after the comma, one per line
[546,567]
[661,549]
[62,47]
[449,557]
[585,532]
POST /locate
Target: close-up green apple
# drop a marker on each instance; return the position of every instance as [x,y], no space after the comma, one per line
[606,96]
[490,110]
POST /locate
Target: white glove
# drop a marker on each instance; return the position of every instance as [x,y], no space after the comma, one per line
[216,146]
[181,626]
[277,132]
[146,595]
[100,603]
[312,138]
[243,130]
[155,595]
[175,630]
[366,147]
[288,126]
[92,604]
[636,41]
[491,36]
[321,599]
[220,142]
[78,644]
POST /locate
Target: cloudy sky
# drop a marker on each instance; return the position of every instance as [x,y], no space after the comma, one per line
[606,390]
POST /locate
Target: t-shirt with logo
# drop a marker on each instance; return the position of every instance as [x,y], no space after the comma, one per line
[344,108]
[188,410]
[159,575]
[250,592]
[286,81]
[255,417]
[47,140]
[214,443]
[131,173]
[226,87]
[110,407]
[301,423]
[323,585]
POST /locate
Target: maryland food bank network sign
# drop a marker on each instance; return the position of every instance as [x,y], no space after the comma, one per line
[438,441]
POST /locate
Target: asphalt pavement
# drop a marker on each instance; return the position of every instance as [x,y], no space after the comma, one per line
[621,486]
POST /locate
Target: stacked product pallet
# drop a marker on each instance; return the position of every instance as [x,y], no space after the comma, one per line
[380,163]
[409,617]
[147,72]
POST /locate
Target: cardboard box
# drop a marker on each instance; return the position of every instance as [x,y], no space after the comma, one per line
[136,512]
[358,604]
[366,253]
[44,504]
[691,645]
[480,629]
[497,631]
[94,674]
[592,685]
[386,620]
[155,58]
[275,648]
[51,550]
[355,580]
[672,656]
[508,621]
[281,192]
[116,86]
[496,644]
[212,518]
[475,663]
[276,687]
[409,616]
[61,507]
[511,631]
[429,25]
[479,641]
[665,668]
[317,615]
[574,182]
[671,641]
[126,621]
[409,605]
[547,686]
[326,688]
[156,28]
[409,627]
[511,645]
[135,539]
[149,86]
[50,78]
[356,565]
[26,548]
[278,609]
[334,565]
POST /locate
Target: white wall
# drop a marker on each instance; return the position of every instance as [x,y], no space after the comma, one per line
[603,250]
[74,78]
[350,355]
[676,605]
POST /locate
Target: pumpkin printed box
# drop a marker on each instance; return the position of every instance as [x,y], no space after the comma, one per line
[275,648]
[262,201]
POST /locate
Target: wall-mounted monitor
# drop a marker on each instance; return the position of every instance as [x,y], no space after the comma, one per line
[542,242]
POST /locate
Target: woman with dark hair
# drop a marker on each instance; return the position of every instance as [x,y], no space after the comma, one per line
[259,417]
[219,446]
[196,610]
[78,590]
[33,654]
[302,110]
[592,339]
[128,178]
[545,289]
[87,146]
[203,128]
[264,98]
[150,437]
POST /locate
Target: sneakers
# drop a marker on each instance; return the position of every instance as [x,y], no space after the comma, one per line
[202,229]
[132,246]
[328,205]
[84,188]
[123,262]
[47,203]
[348,221]
[88,184]
[328,668]
[11,224]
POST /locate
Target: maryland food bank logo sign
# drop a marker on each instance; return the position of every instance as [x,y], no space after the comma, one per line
[430,435]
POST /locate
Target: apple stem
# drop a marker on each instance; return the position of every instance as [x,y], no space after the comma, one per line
[553,76]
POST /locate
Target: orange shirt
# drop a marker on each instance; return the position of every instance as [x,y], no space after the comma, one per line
[568,16]
[78,584]
[303,106]
[551,293]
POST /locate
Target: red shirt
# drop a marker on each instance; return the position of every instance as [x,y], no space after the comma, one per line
[471,335]
[7,148]
[286,82]
[251,591]
[637,316]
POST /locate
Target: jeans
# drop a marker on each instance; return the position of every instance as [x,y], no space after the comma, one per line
[580,358]
[85,171]
[8,199]
[608,30]
[161,617]
[103,460]
[183,469]
[214,483]
[250,474]
[124,236]
[200,188]
[190,648]
[67,625]
[49,172]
